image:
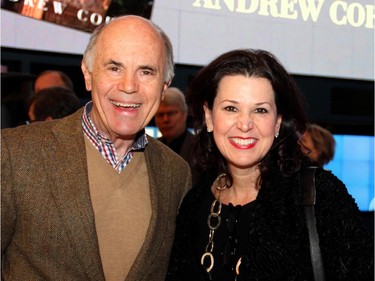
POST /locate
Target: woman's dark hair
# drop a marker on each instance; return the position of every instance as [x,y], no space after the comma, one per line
[285,150]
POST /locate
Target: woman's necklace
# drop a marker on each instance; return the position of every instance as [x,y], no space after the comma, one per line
[213,222]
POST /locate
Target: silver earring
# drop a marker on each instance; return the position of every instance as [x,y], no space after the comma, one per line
[276,135]
[209,130]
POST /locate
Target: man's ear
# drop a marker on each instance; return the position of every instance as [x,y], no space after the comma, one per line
[165,87]
[86,75]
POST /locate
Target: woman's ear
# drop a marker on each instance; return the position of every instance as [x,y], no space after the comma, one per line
[208,118]
[278,124]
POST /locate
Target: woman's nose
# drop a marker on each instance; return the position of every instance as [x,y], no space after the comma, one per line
[245,122]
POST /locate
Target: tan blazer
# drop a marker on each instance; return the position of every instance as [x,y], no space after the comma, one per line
[47,220]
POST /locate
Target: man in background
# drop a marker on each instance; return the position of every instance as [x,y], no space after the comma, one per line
[171,120]
[52,103]
[52,78]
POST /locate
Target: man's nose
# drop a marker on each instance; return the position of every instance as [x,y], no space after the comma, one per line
[128,83]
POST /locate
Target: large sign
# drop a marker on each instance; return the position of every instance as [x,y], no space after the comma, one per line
[341,13]
[329,38]
[82,15]
[333,38]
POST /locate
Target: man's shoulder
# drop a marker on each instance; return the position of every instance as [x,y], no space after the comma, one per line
[40,131]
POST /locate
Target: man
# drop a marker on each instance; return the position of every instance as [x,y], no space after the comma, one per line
[53,103]
[90,196]
[171,120]
[52,78]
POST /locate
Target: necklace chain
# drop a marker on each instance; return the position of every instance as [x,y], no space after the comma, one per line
[215,211]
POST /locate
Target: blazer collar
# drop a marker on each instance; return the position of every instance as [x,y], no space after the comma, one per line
[71,191]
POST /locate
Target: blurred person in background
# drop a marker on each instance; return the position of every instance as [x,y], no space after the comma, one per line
[52,78]
[171,120]
[52,103]
[318,144]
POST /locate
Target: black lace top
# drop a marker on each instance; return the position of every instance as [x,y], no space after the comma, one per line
[275,242]
[229,238]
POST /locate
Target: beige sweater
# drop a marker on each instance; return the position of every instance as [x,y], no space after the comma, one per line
[122,209]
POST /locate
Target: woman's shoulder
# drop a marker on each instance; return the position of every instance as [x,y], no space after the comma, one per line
[332,193]
[326,181]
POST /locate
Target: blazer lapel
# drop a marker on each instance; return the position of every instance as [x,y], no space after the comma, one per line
[159,196]
[69,183]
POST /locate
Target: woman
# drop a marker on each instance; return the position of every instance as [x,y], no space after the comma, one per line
[243,221]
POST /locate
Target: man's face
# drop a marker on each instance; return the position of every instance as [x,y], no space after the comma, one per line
[171,121]
[127,79]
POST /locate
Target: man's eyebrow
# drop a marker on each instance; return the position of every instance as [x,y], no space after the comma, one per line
[142,67]
[148,67]
[113,62]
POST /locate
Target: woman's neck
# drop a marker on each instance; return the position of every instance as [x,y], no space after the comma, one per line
[244,189]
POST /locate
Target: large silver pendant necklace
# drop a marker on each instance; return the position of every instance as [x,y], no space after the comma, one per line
[213,222]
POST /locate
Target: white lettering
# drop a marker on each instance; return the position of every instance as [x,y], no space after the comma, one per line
[108,19]
[29,3]
[207,4]
[310,8]
[40,4]
[287,9]
[82,15]
[333,12]
[370,16]
[356,10]
[241,6]
[353,14]
[268,7]
[58,7]
[96,19]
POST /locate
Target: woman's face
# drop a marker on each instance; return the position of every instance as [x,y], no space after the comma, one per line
[244,120]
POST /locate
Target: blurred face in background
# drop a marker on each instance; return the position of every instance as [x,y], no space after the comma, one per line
[308,147]
[171,121]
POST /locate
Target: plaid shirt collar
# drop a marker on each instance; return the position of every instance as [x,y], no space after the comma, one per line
[105,146]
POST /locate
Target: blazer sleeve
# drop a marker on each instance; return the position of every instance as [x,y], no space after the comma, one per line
[8,206]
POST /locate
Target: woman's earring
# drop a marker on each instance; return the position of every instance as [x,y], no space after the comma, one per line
[209,130]
[276,135]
